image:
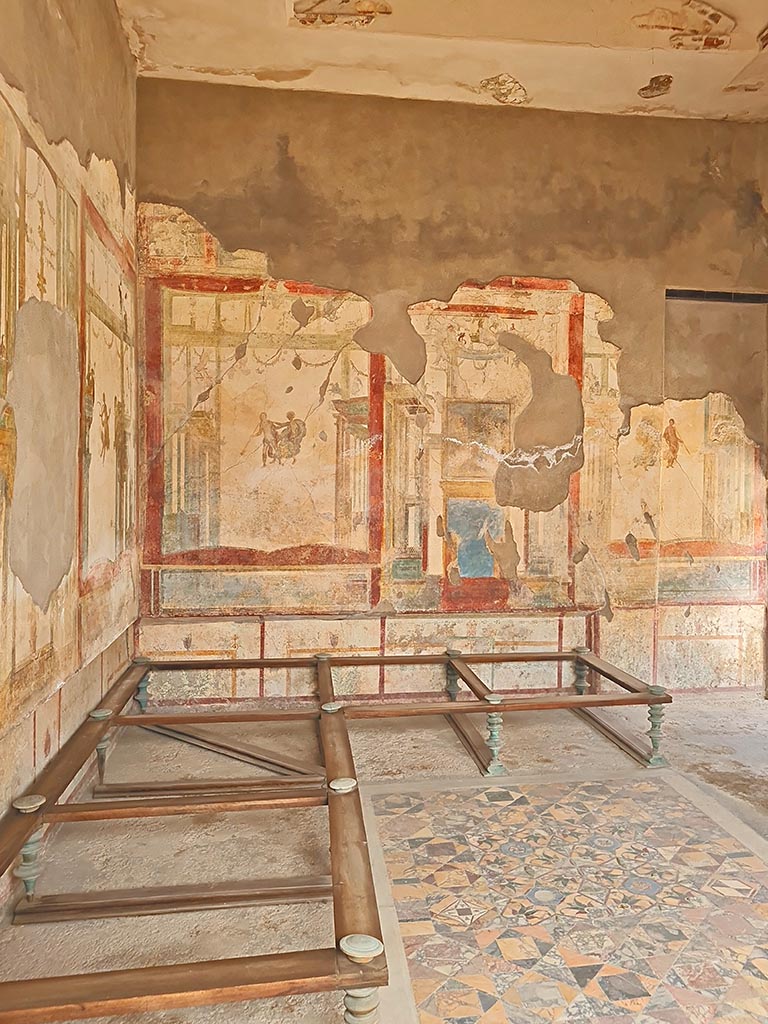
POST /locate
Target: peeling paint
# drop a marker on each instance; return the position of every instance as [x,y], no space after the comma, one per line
[548,435]
[77,76]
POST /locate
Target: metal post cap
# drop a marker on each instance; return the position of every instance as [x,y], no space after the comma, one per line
[323,657]
[451,653]
[342,785]
[331,707]
[100,714]
[28,804]
[580,650]
[493,698]
[361,949]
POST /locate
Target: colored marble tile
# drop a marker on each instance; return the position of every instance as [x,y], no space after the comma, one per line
[596,902]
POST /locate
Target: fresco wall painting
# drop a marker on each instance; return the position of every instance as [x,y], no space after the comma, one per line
[66,260]
[504,498]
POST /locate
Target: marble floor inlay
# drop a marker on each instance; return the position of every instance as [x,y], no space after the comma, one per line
[609,901]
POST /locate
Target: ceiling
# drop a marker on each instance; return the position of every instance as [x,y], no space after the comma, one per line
[679,58]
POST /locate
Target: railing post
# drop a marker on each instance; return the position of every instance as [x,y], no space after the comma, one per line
[141,696]
[361,1005]
[28,870]
[494,721]
[100,715]
[656,717]
[452,676]
[580,671]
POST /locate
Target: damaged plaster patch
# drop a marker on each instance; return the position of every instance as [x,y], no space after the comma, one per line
[659,85]
[505,89]
[390,333]
[536,474]
[692,25]
[42,391]
[56,54]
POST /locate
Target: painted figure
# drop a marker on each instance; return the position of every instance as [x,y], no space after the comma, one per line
[291,434]
[673,442]
[269,445]
[104,415]
[7,450]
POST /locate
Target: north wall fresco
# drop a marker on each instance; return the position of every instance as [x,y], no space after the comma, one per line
[68,553]
[503,499]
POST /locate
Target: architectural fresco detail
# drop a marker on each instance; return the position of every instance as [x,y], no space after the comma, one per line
[67,410]
[339,12]
[290,471]
[691,24]
[505,89]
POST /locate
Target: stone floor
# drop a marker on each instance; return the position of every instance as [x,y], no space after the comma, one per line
[600,901]
[718,740]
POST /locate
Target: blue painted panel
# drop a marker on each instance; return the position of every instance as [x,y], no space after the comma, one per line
[469,521]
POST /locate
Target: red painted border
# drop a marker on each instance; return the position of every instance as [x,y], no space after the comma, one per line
[228,557]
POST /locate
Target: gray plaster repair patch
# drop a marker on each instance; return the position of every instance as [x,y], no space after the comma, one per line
[43,391]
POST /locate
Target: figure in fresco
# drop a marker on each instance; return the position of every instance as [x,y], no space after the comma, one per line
[89,399]
[7,450]
[647,440]
[673,442]
[290,435]
[104,415]
[269,447]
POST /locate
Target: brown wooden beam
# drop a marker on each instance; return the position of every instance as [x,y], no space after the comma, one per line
[16,828]
[104,810]
[473,681]
[624,740]
[616,675]
[471,740]
[325,689]
[216,717]
[237,749]
[172,987]
[355,910]
[81,906]
[191,664]
[192,787]
[472,707]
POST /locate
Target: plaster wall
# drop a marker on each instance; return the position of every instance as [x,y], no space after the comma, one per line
[422,375]
[68,552]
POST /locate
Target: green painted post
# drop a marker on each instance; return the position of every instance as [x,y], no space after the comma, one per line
[28,870]
[494,721]
[580,671]
[656,716]
[452,676]
[141,696]
[361,1005]
[100,715]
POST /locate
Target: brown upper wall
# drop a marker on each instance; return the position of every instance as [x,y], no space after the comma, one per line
[401,200]
[72,61]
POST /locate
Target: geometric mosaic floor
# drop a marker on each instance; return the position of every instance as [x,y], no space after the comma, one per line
[604,902]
